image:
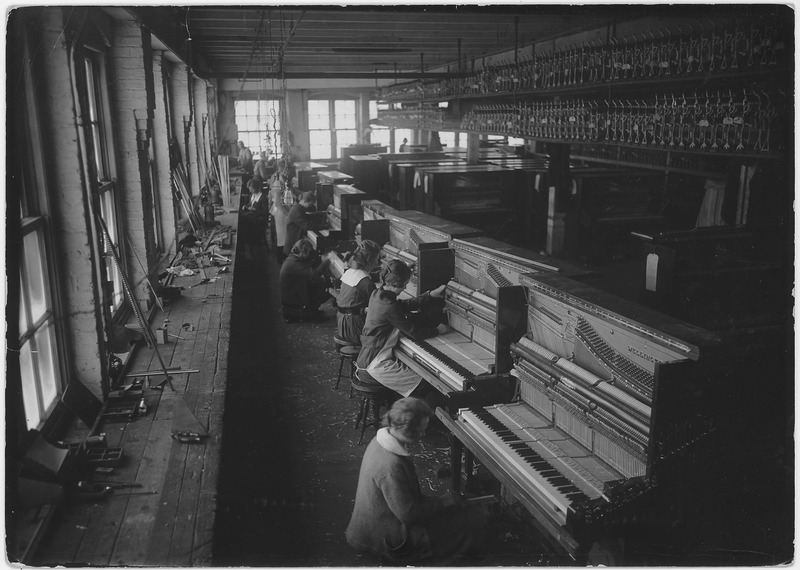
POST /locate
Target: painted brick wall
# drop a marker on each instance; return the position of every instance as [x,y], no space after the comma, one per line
[75,251]
[128,101]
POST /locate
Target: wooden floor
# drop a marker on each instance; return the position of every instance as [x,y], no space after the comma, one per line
[168,520]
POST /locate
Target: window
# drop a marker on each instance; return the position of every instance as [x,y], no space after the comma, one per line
[99,129]
[332,125]
[380,135]
[448,138]
[39,340]
[400,135]
[259,124]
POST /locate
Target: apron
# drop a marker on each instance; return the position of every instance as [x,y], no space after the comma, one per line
[390,372]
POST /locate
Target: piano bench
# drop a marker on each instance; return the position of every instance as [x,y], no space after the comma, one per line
[349,353]
[372,396]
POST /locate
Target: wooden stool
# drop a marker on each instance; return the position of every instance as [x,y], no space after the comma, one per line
[350,354]
[373,395]
[347,352]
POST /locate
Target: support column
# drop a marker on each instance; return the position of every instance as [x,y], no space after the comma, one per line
[473,148]
[558,202]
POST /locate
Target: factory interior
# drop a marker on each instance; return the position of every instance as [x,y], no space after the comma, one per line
[594,206]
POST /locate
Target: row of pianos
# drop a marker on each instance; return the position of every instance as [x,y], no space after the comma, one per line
[588,410]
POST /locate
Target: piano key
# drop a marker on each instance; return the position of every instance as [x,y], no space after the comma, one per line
[589,474]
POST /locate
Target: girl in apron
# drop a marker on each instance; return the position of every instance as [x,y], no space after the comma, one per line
[386,318]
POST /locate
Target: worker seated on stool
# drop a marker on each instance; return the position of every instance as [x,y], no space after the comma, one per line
[391,517]
[357,286]
[254,216]
[386,318]
[303,284]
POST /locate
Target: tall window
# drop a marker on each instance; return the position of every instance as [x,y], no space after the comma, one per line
[332,125]
[97,114]
[380,135]
[259,124]
[40,368]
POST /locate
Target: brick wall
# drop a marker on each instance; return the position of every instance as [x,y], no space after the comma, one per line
[75,246]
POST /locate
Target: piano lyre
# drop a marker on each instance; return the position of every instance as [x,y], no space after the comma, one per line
[611,396]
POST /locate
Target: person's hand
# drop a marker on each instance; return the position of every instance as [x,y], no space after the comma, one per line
[438,293]
[442,329]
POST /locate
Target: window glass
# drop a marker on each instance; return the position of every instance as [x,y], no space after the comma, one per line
[399,135]
[318,115]
[345,115]
[24,323]
[34,276]
[319,144]
[30,399]
[448,138]
[514,141]
[373,109]
[259,125]
[46,365]
[345,138]
[382,136]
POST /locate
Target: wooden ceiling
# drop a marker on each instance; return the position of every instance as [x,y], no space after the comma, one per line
[395,42]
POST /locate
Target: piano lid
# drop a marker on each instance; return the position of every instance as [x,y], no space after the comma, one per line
[489,248]
[658,327]
[432,228]
[376,210]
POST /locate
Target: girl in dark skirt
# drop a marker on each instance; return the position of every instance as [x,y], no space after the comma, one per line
[356,288]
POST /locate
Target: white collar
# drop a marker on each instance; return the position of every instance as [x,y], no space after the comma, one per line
[390,443]
[352,276]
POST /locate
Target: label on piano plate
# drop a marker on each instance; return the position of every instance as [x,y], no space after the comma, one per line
[651,272]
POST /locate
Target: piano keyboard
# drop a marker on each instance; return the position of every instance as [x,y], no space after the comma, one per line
[562,473]
[433,365]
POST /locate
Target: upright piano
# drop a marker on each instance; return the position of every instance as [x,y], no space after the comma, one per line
[401,179]
[613,398]
[307,174]
[366,172]
[341,204]
[484,195]
[404,234]
[485,307]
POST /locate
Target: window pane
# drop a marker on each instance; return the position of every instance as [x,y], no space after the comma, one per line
[319,144]
[48,381]
[447,138]
[345,114]
[381,135]
[318,115]
[399,135]
[34,283]
[29,398]
[109,215]
[345,138]
[514,141]
[373,109]
[24,324]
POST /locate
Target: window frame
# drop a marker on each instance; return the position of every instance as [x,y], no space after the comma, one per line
[35,220]
[93,74]
[274,134]
[333,129]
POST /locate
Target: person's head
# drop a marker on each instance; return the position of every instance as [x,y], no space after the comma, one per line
[408,419]
[307,199]
[240,144]
[405,141]
[263,155]
[366,255]
[395,275]
[254,184]
[302,249]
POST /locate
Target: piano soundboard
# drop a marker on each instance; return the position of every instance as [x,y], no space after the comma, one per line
[584,441]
